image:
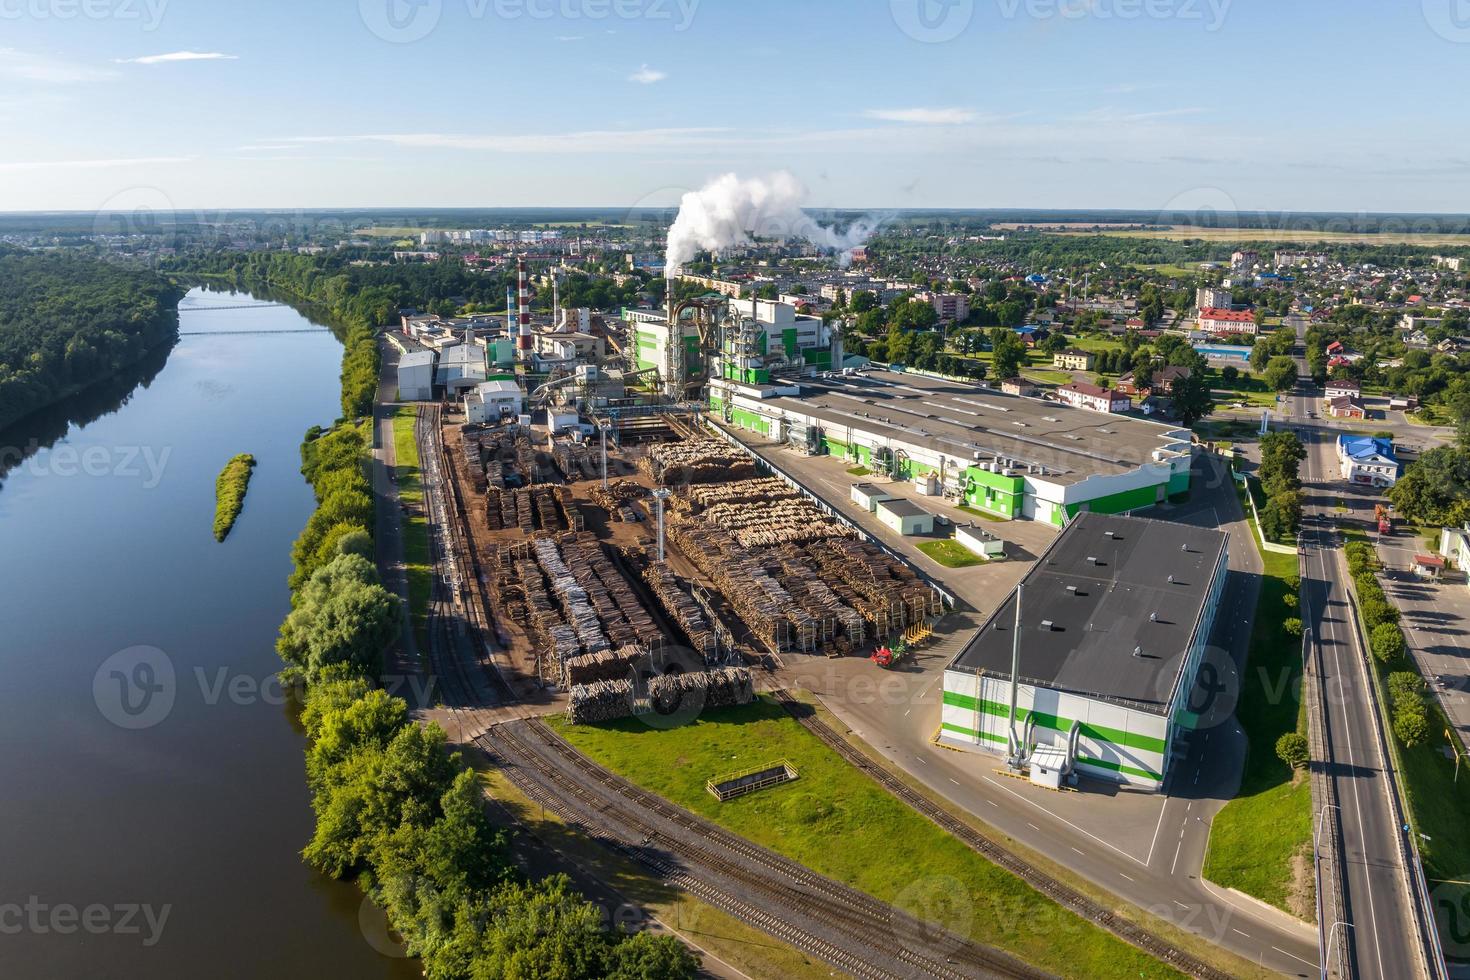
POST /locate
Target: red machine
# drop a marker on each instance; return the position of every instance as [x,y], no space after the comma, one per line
[1385,523]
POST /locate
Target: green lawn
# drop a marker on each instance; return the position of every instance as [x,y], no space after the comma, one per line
[859,471]
[841,824]
[983,513]
[415,527]
[1256,836]
[951,554]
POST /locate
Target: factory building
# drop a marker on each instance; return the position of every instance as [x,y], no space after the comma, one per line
[777,329]
[416,376]
[1009,456]
[488,403]
[1114,621]
[461,367]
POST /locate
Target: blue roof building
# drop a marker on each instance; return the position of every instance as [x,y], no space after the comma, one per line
[1368,460]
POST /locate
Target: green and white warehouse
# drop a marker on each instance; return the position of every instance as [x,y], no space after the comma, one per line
[1115,621]
[1008,455]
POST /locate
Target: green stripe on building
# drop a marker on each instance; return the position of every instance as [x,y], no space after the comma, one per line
[1132,740]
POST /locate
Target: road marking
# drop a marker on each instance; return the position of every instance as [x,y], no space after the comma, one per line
[1033,827]
[1294,956]
[1126,876]
[1011,792]
[953,780]
[1075,850]
[1239,933]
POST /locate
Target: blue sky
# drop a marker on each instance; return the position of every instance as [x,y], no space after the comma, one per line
[1351,105]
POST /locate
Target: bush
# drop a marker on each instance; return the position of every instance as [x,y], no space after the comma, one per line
[1377,612]
[1292,600]
[1292,749]
[1293,627]
[1405,685]
[1387,641]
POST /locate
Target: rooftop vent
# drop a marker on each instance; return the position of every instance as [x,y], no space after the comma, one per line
[1110,534]
[1153,617]
[1138,651]
[1047,625]
[1171,580]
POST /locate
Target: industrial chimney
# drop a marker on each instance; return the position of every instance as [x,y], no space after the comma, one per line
[523,338]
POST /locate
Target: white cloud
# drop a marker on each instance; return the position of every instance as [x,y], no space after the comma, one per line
[172,56]
[28,67]
[93,164]
[569,37]
[647,76]
[924,117]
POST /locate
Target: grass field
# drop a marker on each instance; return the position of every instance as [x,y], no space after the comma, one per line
[415,527]
[1258,835]
[859,471]
[1171,269]
[845,826]
[983,513]
[951,554]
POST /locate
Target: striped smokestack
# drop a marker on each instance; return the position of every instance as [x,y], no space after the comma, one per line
[523,339]
[510,313]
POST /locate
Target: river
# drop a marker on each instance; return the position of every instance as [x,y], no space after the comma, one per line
[152,796]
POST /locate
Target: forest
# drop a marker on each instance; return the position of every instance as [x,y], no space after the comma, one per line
[68,321]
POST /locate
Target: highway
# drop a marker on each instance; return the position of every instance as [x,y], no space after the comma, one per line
[1380,910]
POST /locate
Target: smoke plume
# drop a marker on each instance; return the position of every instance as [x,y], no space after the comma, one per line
[730,211]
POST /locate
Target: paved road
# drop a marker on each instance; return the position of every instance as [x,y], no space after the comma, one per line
[1147,849]
[1378,903]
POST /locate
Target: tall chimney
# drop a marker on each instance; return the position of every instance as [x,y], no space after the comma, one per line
[523,339]
[510,313]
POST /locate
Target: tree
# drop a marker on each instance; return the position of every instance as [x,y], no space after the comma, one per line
[1192,399]
[648,957]
[342,615]
[1008,352]
[915,315]
[1292,626]
[1387,641]
[1282,515]
[1230,374]
[863,301]
[1411,726]
[1260,357]
[1435,489]
[1281,373]
[1293,750]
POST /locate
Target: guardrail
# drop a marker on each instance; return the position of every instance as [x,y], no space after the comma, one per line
[830,510]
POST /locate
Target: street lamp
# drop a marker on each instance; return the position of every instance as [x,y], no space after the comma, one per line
[659,496]
[1327,965]
[1317,833]
[604,427]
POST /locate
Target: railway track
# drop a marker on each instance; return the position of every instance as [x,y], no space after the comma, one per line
[842,926]
[1068,898]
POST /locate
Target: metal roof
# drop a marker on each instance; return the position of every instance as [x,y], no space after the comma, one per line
[1123,597]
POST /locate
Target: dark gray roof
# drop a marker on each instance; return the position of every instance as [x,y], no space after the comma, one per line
[1145,569]
[901,507]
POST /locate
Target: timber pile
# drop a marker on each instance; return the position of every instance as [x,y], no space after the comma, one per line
[617,499]
[546,513]
[545,619]
[697,461]
[474,465]
[802,578]
[752,592]
[680,607]
[571,514]
[583,620]
[893,595]
[765,490]
[608,665]
[495,475]
[722,688]
[622,614]
[601,701]
[769,525]
[574,460]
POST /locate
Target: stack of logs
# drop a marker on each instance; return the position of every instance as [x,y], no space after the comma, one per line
[610,700]
[546,508]
[609,665]
[622,615]
[586,625]
[769,525]
[722,688]
[697,461]
[764,490]
[574,460]
[618,499]
[756,597]
[681,608]
[474,464]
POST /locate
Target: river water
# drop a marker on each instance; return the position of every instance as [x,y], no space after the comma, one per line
[152,796]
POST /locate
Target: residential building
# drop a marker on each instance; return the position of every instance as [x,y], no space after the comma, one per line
[1342,389]
[1020,386]
[1217,321]
[1112,700]
[1213,298]
[951,307]
[1073,360]
[1368,460]
[1245,260]
[1094,398]
[1346,407]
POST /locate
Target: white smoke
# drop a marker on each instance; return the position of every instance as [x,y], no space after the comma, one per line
[729,211]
